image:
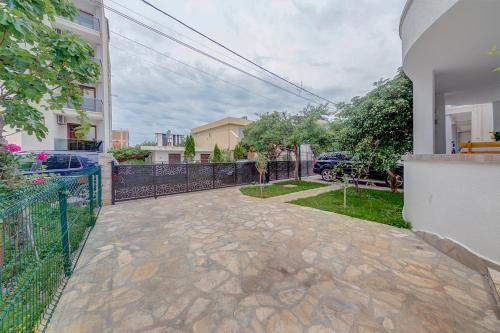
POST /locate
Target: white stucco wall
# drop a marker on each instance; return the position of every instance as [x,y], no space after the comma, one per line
[458,200]
[418,16]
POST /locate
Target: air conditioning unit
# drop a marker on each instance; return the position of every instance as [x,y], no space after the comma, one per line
[59,31]
[61,120]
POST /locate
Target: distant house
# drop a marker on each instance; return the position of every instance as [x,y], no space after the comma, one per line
[169,149]
[226,133]
[120,139]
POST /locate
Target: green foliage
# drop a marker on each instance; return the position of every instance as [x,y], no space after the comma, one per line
[129,153]
[189,148]
[280,188]
[239,152]
[378,127]
[227,156]
[10,177]
[146,143]
[373,205]
[268,135]
[494,52]
[217,155]
[41,69]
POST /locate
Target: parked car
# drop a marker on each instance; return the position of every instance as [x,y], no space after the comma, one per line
[326,163]
[60,163]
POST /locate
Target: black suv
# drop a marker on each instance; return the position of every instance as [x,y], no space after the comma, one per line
[326,162]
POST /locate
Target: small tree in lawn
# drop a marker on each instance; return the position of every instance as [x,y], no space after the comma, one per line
[261,166]
[239,152]
[189,148]
[217,155]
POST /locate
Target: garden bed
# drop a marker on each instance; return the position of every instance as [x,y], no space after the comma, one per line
[280,188]
[368,204]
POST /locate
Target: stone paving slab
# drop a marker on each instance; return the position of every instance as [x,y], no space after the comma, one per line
[217,261]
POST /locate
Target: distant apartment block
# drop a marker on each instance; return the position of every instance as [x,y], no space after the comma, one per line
[92,26]
[169,139]
[120,139]
[226,133]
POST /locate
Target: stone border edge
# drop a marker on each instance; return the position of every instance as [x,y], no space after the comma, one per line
[468,258]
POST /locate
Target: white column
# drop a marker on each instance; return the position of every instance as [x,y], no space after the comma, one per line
[449,133]
[423,113]
[440,142]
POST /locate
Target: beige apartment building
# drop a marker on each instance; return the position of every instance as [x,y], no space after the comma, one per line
[226,133]
[120,139]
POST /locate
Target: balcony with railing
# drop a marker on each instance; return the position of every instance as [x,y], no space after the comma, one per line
[87,20]
[88,104]
[78,145]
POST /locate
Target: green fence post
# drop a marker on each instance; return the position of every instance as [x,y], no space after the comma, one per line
[63,211]
[91,198]
[99,187]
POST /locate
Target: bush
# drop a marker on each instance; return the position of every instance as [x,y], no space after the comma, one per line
[129,153]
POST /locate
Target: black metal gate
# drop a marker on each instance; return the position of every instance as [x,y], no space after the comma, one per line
[130,182]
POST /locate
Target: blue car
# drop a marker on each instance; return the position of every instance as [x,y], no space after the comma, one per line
[60,163]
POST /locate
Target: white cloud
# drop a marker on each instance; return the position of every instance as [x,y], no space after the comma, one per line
[335,48]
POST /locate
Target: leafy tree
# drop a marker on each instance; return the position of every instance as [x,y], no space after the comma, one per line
[227,156]
[41,69]
[268,135]
[309,126]
[189,148]
[146,143]
[378,127]
[239,152]
[217,155]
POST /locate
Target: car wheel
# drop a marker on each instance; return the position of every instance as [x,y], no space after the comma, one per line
[327,175]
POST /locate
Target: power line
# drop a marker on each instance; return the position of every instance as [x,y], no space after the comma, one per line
[234,52]
[193,40]
[161,33]
[192,67]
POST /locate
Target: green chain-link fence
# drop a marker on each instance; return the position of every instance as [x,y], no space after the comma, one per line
[43,229]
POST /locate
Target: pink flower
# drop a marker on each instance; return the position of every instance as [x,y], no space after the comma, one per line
[13,148]
[42,156]
[39,180]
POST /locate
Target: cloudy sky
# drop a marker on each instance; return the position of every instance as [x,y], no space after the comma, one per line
[335,48]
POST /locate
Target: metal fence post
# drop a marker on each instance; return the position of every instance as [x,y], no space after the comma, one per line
[114,171]
[235,176]
[153,170]
[63,212]
[187,177]
[99,187]
[213,175]
[90,178]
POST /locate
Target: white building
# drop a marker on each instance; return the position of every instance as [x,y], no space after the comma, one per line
[92,26]
[453,200]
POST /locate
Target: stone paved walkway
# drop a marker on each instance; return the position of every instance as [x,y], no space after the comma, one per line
[217,261]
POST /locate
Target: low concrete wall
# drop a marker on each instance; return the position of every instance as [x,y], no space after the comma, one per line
[456,198]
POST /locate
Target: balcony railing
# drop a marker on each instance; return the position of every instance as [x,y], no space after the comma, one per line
[81,145]
[88,104]
[88,21]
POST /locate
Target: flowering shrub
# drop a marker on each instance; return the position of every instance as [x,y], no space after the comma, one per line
[10,177]
[13,148]
[42,156]
[39,180]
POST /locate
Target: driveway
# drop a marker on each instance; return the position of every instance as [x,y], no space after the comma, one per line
[217,261]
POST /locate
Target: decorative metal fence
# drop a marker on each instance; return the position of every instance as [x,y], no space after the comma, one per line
[132,182]
[43,229]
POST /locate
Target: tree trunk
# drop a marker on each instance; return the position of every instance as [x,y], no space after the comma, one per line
[393,181]
[3,141]
[297,161]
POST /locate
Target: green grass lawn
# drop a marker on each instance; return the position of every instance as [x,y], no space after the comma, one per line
[374,205]
[279,188]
